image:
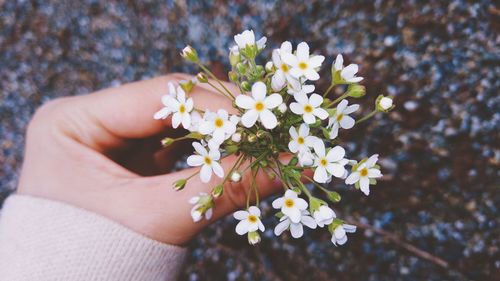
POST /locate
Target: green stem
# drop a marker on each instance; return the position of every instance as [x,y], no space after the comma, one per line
[337,100]
[329,89]
[316,184]
[215,78]
[370,115]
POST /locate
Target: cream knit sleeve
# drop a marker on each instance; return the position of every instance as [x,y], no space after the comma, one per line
[48,240]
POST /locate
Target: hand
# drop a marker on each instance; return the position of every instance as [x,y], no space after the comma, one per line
[101,152]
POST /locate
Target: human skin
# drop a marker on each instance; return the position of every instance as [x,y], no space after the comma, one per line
[97,152]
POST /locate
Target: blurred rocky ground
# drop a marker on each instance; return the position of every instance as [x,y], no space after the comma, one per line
[440,148]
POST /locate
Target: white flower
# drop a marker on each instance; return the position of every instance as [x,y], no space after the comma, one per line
[296,87]
[363,173]
[203,205]
[306,158]
[218,125]
[282,74]
[207,160]
[258,106]
[181,109]
[339,235]
[328,164]
[385,103]
[341,119]
[301,140]
[249,221]
[296,228]
[165,100]
[291,205]
[247,39]
[348,73]
[302,64]
[309,108]
[324,215]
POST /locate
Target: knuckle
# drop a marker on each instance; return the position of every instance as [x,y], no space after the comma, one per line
[45,115]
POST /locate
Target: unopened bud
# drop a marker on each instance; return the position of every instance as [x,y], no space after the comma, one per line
[188,85]
[241,68]
[269,66]
[246,86]
[189,53]
[252,138]
[356,90]
[180,184]
[202,78]
[233,76]
[167,141]
[235,176]
[236,137]
[384,104]
[282,108]
[218,190]
[253,237]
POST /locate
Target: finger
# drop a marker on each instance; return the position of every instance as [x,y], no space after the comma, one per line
[127,111]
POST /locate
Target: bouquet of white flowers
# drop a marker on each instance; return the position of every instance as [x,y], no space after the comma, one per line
[278,112]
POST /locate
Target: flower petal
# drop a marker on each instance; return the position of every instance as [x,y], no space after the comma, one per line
[342,106]
[278,203]
[195,160]
[308,221]
[303,51]
[291,194]
[176,120]
[254,211]
[259,91]
[162,113]
[273,101]
[245,102]
[205,173]
[242,227]
[311,74]
[335,169]
[293,146]
[364,184]
[249,118]
[321,113]
[320,175]
[268,119]
[352,178]
[296,108]
[351,108]
[301,203]
[319,148]
[347,122]
[374,173]
[280,227]
[335,154]
[217,168]
[339,62]
[315,100]
[240,215]
[289,59]
[316,61]
[199,148]
[293,132]
[349,71]
[309,118]
[297,230]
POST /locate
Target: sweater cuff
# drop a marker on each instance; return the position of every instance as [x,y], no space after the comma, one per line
[47,240]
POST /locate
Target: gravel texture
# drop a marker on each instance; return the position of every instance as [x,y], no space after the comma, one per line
[439,149]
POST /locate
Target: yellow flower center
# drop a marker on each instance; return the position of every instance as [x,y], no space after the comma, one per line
[207,160]
[284,68]
[339,117]
[289,203]
[300,140]
[252,218]
[182,108]
[259,106]
[308,108]
[219,123]
[323,162]
[364,172]
[302,65]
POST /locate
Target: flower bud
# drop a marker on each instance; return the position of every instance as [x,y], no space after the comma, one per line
[269,66]
[252,138]
[246,86]
[236,137]
[217,191]
[241,68]
[233,76]
[356,91]
[235,176]
[234,57]
[180,184]
[333,196]
[167,141]
[261,133]
[282,108]
[194,135]
[202,78]
[384,104]
[253,237]
[189,53]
